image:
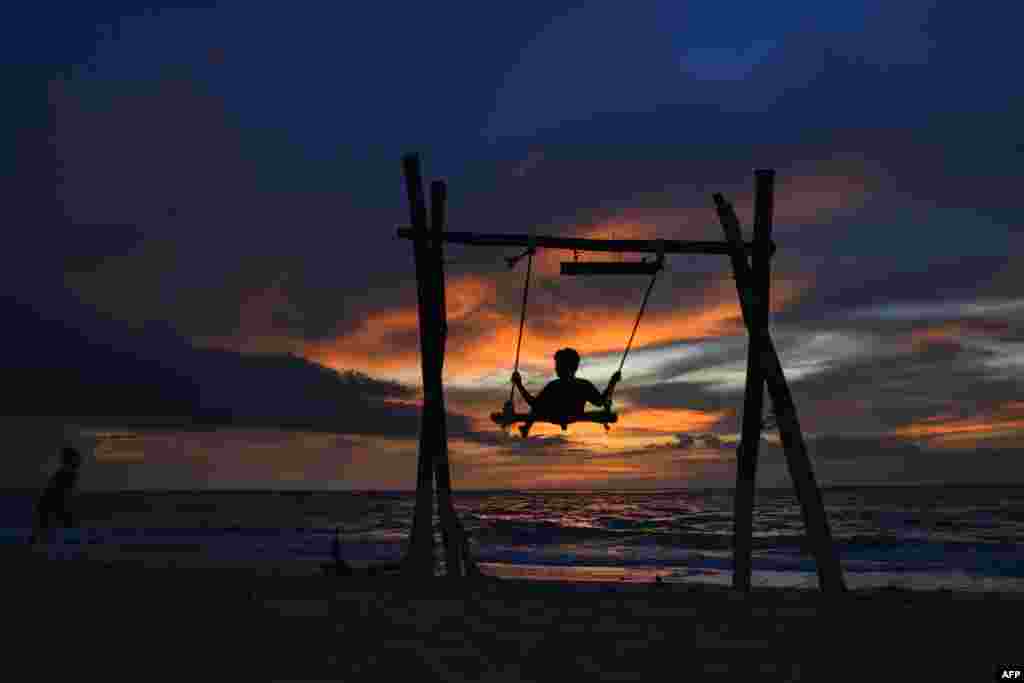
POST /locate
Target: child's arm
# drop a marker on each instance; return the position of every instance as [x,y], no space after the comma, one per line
[517,380]
[606,396]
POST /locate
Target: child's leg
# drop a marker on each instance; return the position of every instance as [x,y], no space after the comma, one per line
[524,428]
[40,532]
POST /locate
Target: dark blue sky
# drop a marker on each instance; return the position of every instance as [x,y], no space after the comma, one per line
[228,176]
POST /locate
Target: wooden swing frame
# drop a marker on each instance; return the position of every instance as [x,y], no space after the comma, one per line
[753,280]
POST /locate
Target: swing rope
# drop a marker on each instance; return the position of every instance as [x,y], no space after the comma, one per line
[522,313]
[643,305]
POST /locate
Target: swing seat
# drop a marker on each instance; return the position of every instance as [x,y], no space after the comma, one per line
[504,419]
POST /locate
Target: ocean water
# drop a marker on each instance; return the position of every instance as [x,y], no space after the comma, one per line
[960,538]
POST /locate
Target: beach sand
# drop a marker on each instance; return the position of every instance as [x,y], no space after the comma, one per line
[146,619]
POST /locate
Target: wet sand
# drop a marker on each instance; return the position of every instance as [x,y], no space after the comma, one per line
[146,619]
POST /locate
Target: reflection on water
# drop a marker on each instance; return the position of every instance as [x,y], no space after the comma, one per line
[958,538]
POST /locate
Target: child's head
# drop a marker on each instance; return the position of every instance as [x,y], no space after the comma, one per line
[567,361]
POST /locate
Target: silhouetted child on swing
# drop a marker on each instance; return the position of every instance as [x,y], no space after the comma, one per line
[565,397]
[53,502]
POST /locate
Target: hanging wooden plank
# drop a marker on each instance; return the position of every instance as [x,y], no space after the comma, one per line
[830,574]
[753,397]
[609,268]
[419,559]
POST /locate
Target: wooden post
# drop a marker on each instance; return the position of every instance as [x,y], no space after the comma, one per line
[419,560]
[753,401]
[450,529]
[830,575]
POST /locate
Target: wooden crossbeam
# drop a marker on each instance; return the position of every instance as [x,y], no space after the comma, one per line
[609,268]
[580,244]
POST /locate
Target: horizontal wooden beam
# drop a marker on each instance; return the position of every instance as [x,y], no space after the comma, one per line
[609,268]
[580,244]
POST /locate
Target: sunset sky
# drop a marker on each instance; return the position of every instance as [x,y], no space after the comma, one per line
[200,209]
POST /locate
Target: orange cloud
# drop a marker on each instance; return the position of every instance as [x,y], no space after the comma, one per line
[468,293]
[387,342]
[671,420]
[637,428]
[568,476]
[482,339]
[946,430]
[660,467]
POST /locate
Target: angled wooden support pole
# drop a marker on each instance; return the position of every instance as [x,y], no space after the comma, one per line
[753,401]
[419,559]
[830,574]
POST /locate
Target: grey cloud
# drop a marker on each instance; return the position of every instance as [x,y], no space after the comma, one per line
[986,466]
[882,390]
[509,444]
[847,289]
[681,395]
[107,374]
[850,460]
[840,447]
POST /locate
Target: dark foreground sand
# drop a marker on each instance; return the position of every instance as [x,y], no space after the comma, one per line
[139,620]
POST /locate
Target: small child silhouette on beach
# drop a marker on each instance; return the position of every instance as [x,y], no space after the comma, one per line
[53,502]
[565,397]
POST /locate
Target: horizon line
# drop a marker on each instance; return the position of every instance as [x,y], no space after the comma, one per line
[383,491]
